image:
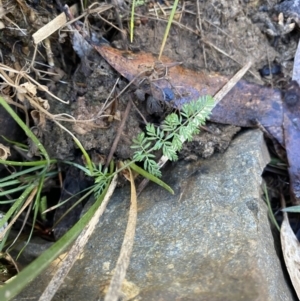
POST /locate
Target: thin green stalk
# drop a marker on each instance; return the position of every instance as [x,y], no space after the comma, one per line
[271,214]
[25,128]
[29,273]
[150,177]
[36,210]
[17,205]
[7,202]
[13,190]
[168,28]
[15,143]
[33,163]
[73,206]
[85,154]
[19,174]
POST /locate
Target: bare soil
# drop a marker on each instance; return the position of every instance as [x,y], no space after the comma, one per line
[213,37]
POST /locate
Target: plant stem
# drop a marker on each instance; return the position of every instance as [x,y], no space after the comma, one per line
[25,128]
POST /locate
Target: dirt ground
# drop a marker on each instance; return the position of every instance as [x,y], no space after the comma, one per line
[211,36]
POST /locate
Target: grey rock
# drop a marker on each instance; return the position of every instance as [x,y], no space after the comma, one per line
[209,241]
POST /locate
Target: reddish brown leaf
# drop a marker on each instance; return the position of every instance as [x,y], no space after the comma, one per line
[245,105]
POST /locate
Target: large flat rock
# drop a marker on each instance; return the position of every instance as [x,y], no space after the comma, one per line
[210,241]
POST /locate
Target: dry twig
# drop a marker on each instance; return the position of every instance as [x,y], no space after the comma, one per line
[119,132]
[113,292]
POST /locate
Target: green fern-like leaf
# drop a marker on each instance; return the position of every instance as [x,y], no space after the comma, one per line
[101,179]
[176,142]
[173,132]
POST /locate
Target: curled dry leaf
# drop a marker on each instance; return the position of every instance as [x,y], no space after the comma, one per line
[43,102]
[31,88]
[4,152]
[25,88]
[39,118]
[35,115]
[21,92]
[291,252]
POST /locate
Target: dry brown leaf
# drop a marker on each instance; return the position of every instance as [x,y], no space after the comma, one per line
[245,103]
[43,103]
[31,88]
[21,92]
[291,252]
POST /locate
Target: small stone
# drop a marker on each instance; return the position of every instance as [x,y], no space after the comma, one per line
[290,9]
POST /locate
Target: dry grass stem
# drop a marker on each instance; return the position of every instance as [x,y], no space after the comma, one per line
[226,54]
[114,289]
[232,82]
[119,132]
[54,25]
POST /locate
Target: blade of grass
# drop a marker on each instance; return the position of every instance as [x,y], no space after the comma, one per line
[36,210]
[33,163]
[7,202]
[73,206]
[85,154]
[89,189]
[16,205]
[18,144]
[29,273]
[294,209]
[19,174]
[151,177]
[13,190]
[19,210]
[10,183]
[168,28]
[27,131]
[271,215]
[84,169]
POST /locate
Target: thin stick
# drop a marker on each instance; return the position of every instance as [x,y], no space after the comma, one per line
[232,82]
[119,132]
[76,249]
[226,54]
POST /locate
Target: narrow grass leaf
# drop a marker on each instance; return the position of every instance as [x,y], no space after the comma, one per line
[25,128]
[150,177]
